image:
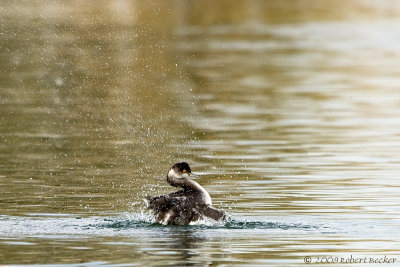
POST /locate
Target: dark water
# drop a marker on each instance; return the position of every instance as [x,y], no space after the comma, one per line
[288,110]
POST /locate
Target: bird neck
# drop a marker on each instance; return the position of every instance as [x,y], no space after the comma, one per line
[188,185]
[183,182]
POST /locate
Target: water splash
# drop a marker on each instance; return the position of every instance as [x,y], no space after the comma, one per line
[145,221]
[127,224]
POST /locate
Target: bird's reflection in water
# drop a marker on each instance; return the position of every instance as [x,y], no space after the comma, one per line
[186,246]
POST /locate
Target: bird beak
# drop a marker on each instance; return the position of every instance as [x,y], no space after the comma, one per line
[192,175]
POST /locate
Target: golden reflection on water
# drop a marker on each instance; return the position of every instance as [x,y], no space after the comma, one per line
[286,108]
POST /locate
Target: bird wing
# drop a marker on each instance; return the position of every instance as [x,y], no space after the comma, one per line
[165,202]
[211,212]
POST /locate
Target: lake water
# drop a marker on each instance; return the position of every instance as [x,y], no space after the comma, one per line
[288,110]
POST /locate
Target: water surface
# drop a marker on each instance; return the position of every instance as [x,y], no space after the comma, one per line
[288,111]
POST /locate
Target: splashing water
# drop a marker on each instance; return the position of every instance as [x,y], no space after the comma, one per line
[127,223]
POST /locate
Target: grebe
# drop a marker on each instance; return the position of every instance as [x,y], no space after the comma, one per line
[185,206]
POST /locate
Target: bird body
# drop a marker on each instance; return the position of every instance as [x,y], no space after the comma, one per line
[187,205]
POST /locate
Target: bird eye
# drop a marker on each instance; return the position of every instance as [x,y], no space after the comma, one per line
[184,171]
